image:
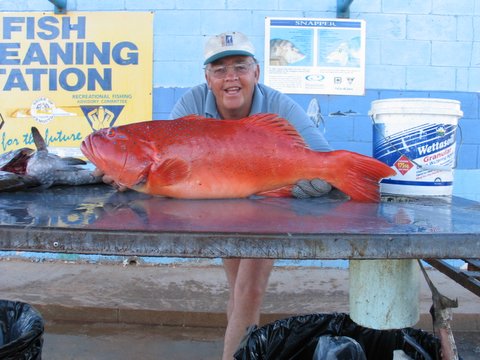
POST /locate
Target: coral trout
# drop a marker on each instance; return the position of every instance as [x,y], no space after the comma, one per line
[198,158]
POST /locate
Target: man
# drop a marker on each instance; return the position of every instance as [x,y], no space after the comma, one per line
[232,92]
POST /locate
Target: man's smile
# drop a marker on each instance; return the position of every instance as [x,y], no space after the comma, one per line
[232,90]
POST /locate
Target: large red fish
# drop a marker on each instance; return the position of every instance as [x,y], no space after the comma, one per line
[199,158]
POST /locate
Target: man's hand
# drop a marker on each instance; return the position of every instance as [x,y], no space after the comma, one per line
[108,180]
[310,188]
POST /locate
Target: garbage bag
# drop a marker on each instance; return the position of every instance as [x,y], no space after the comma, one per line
[21,331]
[296,338]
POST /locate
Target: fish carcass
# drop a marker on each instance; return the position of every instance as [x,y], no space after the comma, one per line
[25,168]
[198,158]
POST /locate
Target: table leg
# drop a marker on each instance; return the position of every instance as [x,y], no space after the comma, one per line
[385,294]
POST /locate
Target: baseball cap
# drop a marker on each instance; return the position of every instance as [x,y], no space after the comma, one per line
[227,44]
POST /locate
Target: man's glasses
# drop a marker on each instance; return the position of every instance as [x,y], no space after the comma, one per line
[220,71]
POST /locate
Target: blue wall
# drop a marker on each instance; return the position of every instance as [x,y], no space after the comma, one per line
[415,48]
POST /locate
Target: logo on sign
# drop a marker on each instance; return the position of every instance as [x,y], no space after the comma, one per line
[314,77]
[43,110]
[403,164]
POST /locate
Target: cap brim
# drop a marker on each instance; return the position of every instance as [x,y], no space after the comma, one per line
[226,53]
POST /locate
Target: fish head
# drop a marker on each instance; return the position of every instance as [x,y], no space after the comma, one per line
[119,154]
[285,50]
[16,161]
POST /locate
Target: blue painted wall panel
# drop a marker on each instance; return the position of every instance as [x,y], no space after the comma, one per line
[163,100]
[93,5]
[470,131]
[339,128]
[428,27]
[357,104]
[420,77]
[406,52]
[405,7]
[363,129]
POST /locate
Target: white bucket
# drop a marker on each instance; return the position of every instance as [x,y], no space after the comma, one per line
[416,138]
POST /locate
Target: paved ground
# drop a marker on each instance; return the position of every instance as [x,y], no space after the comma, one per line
[110,311]
[74,341]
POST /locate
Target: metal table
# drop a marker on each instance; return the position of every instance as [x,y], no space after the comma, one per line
[95,219]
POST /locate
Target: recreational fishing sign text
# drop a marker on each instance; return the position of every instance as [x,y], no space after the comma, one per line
[58,55]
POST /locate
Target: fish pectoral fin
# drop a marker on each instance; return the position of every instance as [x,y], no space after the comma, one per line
[284,191]
[169,171]
[72,161]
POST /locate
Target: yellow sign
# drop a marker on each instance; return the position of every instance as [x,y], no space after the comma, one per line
[71,74]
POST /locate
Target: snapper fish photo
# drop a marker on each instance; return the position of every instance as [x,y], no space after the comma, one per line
[284,52]
[199,158]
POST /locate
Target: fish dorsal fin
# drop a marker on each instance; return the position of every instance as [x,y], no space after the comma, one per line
[38,140]
[170,171]
[277,125]
[193,117]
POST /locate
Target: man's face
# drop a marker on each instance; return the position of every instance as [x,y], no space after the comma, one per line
[232,80]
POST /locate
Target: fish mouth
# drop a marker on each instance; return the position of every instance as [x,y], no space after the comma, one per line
[87,149]
[91,152]
[99,151]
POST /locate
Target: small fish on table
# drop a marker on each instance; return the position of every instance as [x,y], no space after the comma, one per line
[25,168]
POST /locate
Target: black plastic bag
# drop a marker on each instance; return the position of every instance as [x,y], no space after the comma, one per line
[21,331]
[296,338]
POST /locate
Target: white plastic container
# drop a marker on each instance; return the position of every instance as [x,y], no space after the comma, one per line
[417,138]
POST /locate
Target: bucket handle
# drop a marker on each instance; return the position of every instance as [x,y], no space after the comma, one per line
[427,167]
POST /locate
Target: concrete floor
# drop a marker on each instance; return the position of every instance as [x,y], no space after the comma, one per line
[67,341]
[75,341]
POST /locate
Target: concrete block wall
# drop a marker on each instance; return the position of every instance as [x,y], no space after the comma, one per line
[415,48]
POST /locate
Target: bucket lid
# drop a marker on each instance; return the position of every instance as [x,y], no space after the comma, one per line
[416,106]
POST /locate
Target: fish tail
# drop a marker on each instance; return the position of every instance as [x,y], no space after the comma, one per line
[357,175]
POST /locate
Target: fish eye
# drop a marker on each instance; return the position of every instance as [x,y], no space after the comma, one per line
[111,132]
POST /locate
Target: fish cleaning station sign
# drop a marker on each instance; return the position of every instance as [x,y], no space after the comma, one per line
[315,56]
[71,74]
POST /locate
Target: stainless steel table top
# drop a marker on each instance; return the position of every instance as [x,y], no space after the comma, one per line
[97,219]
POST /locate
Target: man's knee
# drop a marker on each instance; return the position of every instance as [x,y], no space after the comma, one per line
[250,293]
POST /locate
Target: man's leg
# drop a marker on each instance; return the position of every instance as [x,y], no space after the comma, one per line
[231,270]
[248,280]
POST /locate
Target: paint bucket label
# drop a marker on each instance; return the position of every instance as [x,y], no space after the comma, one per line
[417,138]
